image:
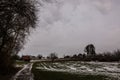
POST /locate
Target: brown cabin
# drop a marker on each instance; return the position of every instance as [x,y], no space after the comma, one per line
[26,58]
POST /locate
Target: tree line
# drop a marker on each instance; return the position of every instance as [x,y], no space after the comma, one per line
[102,57]
[89,55]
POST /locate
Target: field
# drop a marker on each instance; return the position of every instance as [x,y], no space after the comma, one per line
[76,71]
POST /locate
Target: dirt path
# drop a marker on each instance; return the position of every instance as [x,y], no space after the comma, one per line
[24,73]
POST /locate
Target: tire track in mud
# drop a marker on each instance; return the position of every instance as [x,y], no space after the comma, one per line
[24,73]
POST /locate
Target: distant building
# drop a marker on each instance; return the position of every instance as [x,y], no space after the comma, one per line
[26,57]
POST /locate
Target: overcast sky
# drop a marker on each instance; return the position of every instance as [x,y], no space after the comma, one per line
[67,26]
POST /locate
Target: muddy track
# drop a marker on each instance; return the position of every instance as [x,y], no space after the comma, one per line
[24,73]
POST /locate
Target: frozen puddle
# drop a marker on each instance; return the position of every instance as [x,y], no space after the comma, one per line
[24,73]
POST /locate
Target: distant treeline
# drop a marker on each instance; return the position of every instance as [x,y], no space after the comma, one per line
[103,57]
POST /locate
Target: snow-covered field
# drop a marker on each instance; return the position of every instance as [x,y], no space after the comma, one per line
[104,68]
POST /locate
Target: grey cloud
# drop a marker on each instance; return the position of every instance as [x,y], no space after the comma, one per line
[103,6]
[67,26]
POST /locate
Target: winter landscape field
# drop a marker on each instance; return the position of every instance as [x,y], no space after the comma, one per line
[96,70]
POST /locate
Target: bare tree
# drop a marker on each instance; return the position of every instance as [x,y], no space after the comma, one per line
[90,49]
[53,56]
[17,18]
[39,56]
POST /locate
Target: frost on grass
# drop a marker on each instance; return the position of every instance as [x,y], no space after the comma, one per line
[95,68]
